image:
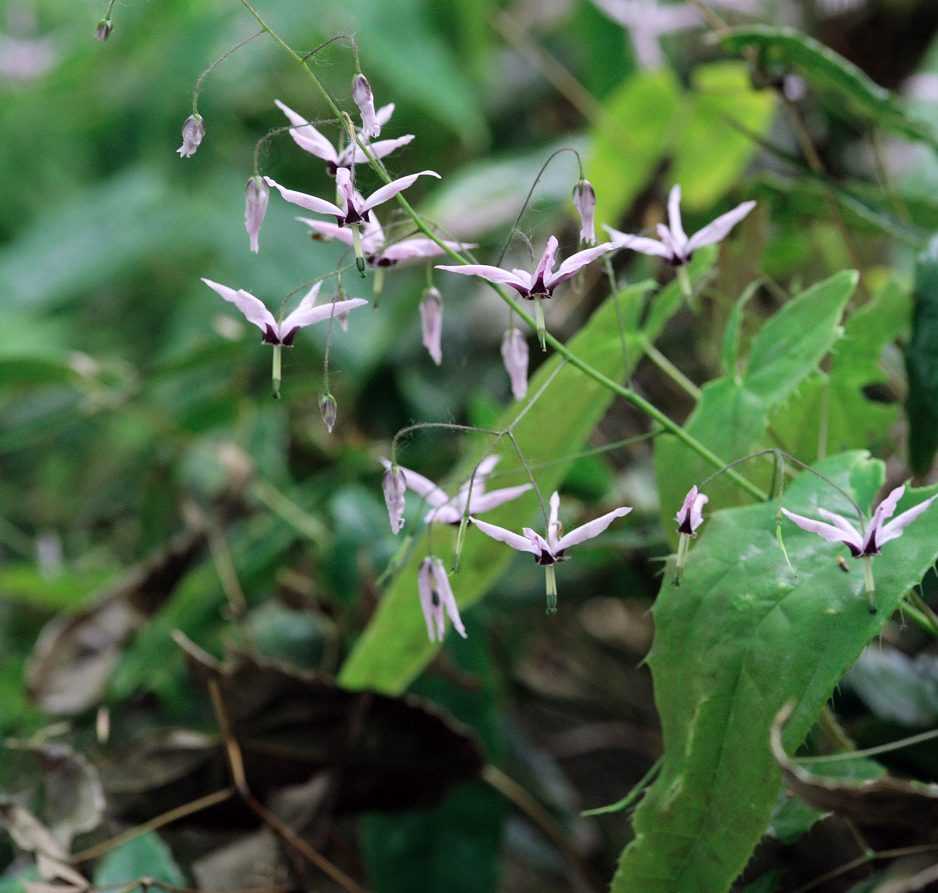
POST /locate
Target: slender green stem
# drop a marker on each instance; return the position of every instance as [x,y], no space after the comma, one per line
[636,400]
[197,90]
[632,796]
[669,369]
[922,608]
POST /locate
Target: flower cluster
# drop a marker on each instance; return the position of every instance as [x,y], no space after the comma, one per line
[354,222]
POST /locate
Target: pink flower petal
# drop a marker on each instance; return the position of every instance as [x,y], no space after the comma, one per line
[380,196]
[827,531]
[509,538]
[591,528]
[253,308]
[307,137]
[720,228]
[310,202]
[573,264]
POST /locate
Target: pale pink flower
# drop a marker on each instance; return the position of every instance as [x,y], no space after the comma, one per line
[548,551]
[394,486]
[431,323]
[103,29]
[878,533]
[515,358]
[674,245]
[584,200]
[328,410]
[193,132]
[861,545]
[552,549]
[352,207]
[445,509]
[256,197]
[365,100]
[282,333]
[690,515]
[437,600]
[542,282]
[309,139]
[377,251]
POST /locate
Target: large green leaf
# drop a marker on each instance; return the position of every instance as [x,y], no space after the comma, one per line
[827,70]
[711,153]
[921,361]
[631,137]
[394,648]
[733,413]
[741,636]
[832,407]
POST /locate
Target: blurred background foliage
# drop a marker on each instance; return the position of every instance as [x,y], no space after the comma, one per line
[135,414]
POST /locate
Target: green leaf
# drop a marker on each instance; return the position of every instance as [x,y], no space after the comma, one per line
[833,404]
[631,136]
[92,238]
[394,648]
[921,363]
[732,332]
[732,415]
[711,154]
[144,856]
[827,70]
[741,636]
[70,589]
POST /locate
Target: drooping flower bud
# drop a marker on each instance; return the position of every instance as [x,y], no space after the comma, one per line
[394,486]
[256,197]
[328,410]
[515,358]
[437,600]
[193,131]
[431,321]
[103,29]
[365,100]
[584,199]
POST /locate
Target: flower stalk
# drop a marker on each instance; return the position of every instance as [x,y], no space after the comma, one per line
[627,394]
[550,577]
[869,584]
[275,372]
[540,324]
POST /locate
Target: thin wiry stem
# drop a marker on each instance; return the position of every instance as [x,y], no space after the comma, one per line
[530,195]
[636,400]
[197,89]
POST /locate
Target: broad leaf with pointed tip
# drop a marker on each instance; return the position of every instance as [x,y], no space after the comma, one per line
[740,637]
[732,415]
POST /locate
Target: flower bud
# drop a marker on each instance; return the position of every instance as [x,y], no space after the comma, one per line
[328,410]
[584,199]
[515,358]
[103,30]
[365,100]
[394,486]
[257,195]
[193,132]
[431,321]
